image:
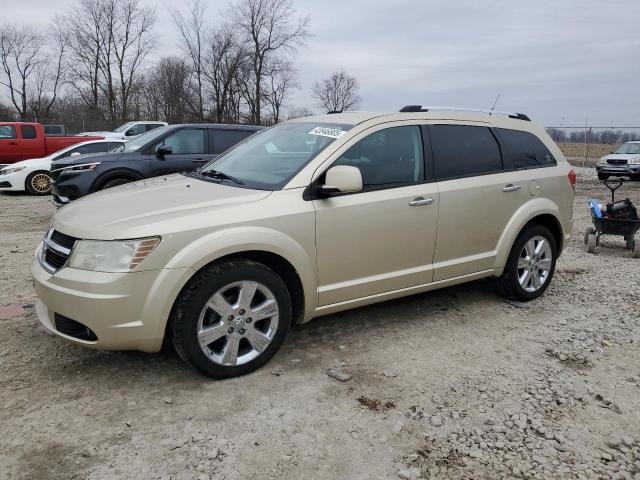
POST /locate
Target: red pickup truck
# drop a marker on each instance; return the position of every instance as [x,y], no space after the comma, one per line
[24,140]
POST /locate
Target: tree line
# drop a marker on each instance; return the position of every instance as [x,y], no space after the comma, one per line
[592,136]
[97,66]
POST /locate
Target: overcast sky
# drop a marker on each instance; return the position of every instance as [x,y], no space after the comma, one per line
[559,61]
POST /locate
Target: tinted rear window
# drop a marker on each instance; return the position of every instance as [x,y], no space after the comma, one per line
[223,140]
[463,151]
[524,149]
[28,131]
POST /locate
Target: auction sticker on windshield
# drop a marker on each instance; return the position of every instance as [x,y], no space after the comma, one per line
[327,132]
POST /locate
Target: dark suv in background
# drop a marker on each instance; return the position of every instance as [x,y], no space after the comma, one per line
[162,151]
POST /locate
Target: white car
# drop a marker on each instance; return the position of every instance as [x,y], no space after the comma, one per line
[624,162]
[33,175]
[127,131]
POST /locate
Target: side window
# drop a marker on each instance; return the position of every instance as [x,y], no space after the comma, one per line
[135,130]
[151,126]
[84,149]
[463,150]
[186,141]
[28,131]
[524,149]
[388,158]
[7,132]
[225,139]
[113,145]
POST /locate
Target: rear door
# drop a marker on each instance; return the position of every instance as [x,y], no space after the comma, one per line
[190,149]
[477,197]
[30,144]
[223,140]
[10,151]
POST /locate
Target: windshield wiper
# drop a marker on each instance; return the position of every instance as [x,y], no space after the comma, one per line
[223,176]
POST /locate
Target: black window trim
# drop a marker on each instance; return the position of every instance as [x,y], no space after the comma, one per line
[482,174]
[312,192]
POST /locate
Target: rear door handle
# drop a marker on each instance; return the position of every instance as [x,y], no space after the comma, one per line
[511,188]
[421,201]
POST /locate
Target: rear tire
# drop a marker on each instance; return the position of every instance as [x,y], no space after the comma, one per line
[231,318]
[38,183]
[592,243]
[115,182]
[533,256]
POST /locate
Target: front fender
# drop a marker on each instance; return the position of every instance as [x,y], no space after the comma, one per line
[531,209]
[215,245]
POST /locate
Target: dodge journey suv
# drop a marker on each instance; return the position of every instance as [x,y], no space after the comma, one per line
[306,218]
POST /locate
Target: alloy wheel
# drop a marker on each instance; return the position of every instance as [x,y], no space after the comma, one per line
[238,323]
[534,263]
[41,183]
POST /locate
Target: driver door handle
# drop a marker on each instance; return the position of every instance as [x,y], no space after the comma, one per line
[511,188]
[421,201]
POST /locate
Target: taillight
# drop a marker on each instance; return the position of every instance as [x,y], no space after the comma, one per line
[572,179]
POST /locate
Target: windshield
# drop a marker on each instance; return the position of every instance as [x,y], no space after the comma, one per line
[627,148]
[136,143]
[269,159]
[122,128]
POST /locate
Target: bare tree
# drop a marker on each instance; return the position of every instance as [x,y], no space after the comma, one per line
[109,43]
[337,93]
[166,90]
[21,58]
[299,112]
[280,79]
[193,30]
[269,27]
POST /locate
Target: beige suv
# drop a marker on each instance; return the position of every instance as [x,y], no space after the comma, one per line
[307,218]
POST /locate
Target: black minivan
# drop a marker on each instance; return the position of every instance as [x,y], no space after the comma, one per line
[162,151]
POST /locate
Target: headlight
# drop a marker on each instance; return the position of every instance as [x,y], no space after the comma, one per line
[111,255]
[85,167]
[7,171]
[635,161]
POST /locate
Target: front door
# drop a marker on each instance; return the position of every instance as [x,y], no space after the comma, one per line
[383,238]
[190,150]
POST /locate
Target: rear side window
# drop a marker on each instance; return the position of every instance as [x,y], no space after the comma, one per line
[223,140]
[524,150]
[84,149]
[463,151]
[7,131]
[151,126]
[28,131]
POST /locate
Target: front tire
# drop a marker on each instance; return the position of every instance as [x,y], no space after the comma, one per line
[38,183]
[231,318]
[530,266]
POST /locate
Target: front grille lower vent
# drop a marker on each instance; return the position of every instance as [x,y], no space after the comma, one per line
[74,329]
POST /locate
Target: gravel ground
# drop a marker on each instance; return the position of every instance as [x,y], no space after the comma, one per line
[451,384]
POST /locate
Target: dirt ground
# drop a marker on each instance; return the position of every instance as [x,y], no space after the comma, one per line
[457,383]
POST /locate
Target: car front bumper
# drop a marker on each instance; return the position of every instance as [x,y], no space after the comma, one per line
[124,311]
[13,182]
[620,170]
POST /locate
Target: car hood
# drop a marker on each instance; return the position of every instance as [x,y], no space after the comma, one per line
[150,207]
[95,157]
[32,163]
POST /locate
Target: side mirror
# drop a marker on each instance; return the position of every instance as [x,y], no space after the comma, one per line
[163,150]
[75,154]
[341,179]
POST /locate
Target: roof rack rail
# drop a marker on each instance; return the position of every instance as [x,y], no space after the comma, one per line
[427,108]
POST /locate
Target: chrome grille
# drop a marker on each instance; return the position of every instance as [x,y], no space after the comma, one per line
[616,161]
[56,249]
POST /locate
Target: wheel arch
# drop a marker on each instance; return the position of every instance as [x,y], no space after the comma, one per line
[122,172]
[537,212]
